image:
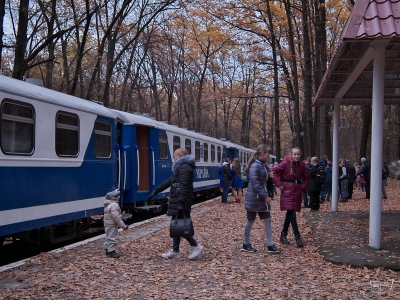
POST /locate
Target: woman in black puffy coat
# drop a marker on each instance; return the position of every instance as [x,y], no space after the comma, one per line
[181,197]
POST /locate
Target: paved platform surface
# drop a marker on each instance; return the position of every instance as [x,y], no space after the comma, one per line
[335,263]
[343,237]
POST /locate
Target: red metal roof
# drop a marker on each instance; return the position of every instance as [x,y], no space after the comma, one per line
[349,76]
[382,18]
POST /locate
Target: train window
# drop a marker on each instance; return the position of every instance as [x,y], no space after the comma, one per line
[177,142]
[224,152]
[212,153]
[102,139]
[67,134]
[197,150]
[162,146]
[188,146]
[17,128]
[205,152]
[219,154]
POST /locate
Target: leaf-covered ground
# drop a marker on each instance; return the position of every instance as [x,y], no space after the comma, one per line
[221,271]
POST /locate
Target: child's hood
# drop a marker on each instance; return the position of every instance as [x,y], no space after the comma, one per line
[109,202]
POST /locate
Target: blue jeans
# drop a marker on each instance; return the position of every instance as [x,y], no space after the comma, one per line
[327,190]
[177,242]
[227,185]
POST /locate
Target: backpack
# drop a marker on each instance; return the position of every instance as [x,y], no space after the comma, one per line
[320,176]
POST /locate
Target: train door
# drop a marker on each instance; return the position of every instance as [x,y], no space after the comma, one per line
[121,162]
[231,154]
[143,158]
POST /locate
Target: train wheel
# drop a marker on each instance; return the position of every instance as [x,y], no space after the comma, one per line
[81,225]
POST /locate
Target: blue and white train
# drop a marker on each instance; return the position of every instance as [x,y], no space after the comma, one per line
[59,154]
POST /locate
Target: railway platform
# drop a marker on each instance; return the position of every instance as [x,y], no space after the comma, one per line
[335,262]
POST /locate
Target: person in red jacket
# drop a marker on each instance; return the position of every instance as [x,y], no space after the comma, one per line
[292,178]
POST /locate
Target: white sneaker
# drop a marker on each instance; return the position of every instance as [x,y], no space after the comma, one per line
[195,251]
[171,254]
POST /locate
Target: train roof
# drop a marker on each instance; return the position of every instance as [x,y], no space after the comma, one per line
[21,88]
[35,92]
[137,118]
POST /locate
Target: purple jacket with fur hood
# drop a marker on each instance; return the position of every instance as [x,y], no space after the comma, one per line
[257,189]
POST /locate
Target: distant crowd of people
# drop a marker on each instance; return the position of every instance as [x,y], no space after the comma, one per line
[350,177]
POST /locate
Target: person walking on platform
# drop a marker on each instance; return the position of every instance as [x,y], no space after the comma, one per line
[237,183]
[221,179]
[315,186]
[258,197]
[112,221]
[366,171]
[385,174]
[305,193]
[292,178]
[324,164]
[362,182]
[357,182]
[343,180]
[327,187]
[227,179]
[181,198]
[351,178]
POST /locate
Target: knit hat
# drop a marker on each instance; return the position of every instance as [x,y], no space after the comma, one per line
[363,159]
[113,192]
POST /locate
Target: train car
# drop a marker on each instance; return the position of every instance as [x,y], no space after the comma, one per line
[58,155]
[148,148]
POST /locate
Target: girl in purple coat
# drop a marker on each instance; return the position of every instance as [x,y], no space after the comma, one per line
[292,178]
[258,197]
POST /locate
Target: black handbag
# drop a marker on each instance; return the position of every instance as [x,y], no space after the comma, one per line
[181,227]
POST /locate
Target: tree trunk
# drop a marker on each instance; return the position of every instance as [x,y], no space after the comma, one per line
[308,79]
[366,120]
[50,47]
[2,13]
[299,135]
[276,84]
[20,65]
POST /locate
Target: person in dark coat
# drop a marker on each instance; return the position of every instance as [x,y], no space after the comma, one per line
[258,197]
[221,179]
[227,179]
[181,198]
[351,178]
[292,178]
[366,171]
[343,180]
[327,187]
[324,164]
[385,174]
[305,193]
[315,187]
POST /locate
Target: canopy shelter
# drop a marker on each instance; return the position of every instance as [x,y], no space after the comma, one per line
[365,69]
